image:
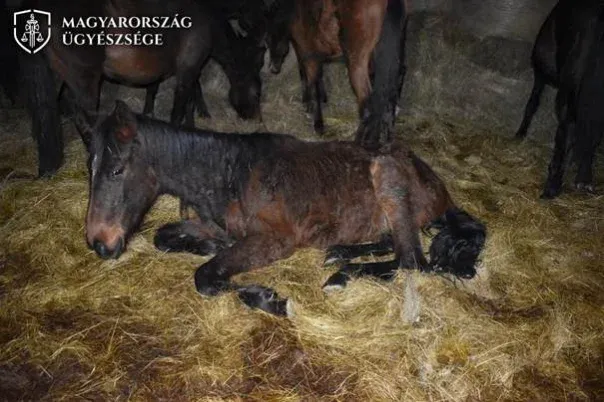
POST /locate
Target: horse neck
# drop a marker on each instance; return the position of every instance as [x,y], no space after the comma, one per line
[186,162]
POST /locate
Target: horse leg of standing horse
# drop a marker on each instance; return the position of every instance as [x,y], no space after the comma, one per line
[310,75]
[344,253]
[190,109]
[200,102]
[150,99]
[183,95]
[321,87]
[42,102]
[251,252]
[584,180]
[532,105]
[556,167]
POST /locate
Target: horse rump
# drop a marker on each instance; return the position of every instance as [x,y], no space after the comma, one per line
[458,243]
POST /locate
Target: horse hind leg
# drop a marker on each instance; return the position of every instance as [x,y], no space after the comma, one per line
[200,102]
[392,193]
[251,252]
[384,270]
[585,157]
[310,73]
[392,189]
[532,104]
[344,253]
[553,184]
[187,85]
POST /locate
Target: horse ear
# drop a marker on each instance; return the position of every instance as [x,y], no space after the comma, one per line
[126,121]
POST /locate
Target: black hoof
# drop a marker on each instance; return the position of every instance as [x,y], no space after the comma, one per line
[319,127]
[336,254]
[208,284]
[336,282]
[549,193]
[263,298]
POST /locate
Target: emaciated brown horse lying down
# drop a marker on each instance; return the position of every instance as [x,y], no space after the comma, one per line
[261,196]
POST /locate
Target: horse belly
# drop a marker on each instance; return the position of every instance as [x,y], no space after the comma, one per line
[136,65]
[344,211]
[360,221]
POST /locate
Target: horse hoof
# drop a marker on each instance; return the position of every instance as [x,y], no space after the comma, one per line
[319,127]
[335,255]
[549,194]
[263,298]
[585,187]
[208,284]
[336,282]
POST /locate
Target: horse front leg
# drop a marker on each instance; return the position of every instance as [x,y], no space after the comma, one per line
[150,99]
[251,252]
[192,236]
[311,75]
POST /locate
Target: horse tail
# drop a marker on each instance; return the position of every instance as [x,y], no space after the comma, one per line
[42,102]
[457,245]
[378,114]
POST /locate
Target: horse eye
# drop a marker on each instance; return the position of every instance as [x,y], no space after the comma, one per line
[117,172]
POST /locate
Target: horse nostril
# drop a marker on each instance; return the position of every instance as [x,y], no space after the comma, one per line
[100,248]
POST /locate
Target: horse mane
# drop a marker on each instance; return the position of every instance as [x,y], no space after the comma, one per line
[179,148]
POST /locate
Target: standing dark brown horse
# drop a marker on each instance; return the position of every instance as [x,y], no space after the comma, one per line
[261,196]
[370,34]
[79,69]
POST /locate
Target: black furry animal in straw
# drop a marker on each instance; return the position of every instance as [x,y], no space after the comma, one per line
[569,54]
[261,196]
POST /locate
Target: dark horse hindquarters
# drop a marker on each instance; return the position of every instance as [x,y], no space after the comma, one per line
[569,55]
[261,196]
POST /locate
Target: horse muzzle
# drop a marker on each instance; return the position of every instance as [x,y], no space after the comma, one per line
[106,252]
